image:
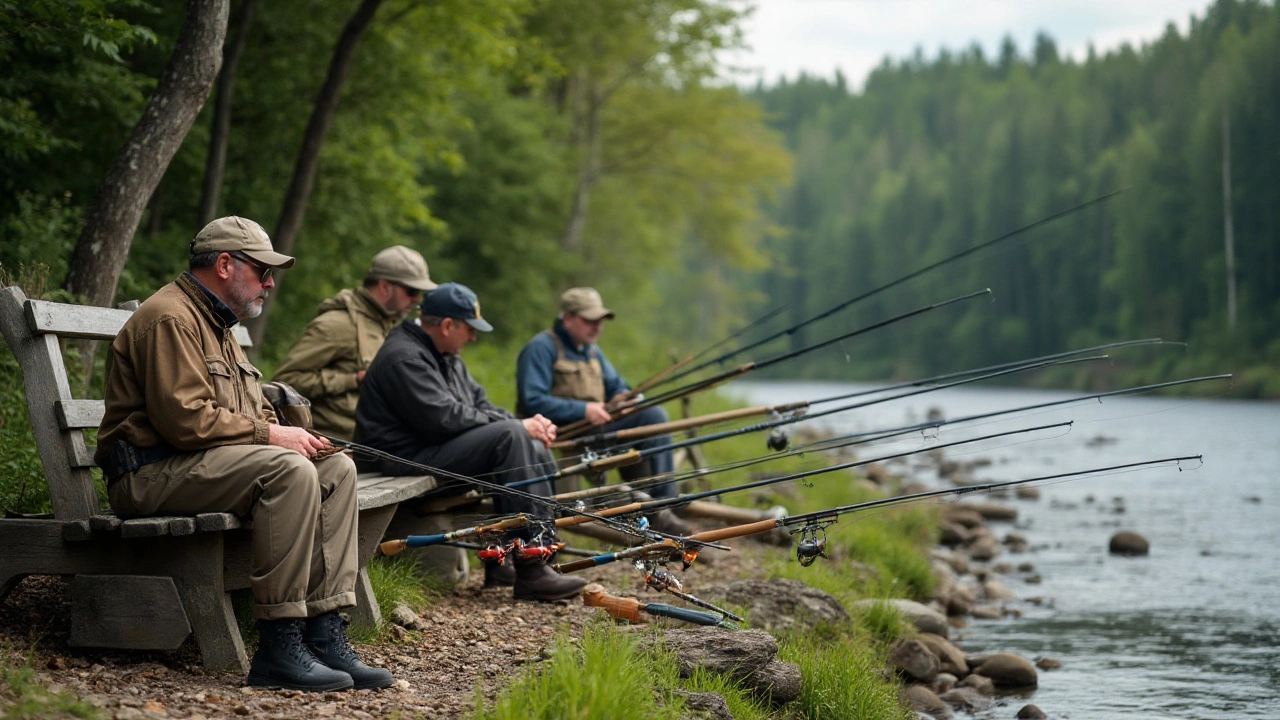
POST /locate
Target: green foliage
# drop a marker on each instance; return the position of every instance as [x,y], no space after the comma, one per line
[932,157]
[398,580]
[24,696]
[841,679]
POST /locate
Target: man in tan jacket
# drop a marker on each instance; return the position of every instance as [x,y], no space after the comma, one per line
[328,361]
[187,430]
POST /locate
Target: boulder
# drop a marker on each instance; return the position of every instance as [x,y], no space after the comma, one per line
[958,562]
[922,617]
[983,548]
[1048,663]
[913,659]
[963,515]
[959,603]
[943,682]
[950,657]
[923,700]
[993,511]
[952,534]
[1031,712]
[944,579]
[986,612]
[736,652]
[978,682]
[1008,670]
[781,604]
[1129,544]
[996,590]
[1027,492]
[966,698]
[777,682]
[704,705]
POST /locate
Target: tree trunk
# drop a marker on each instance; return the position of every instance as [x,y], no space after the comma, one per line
[216,164]
[1228,231]
[586,132]
[304,171]
[103,246]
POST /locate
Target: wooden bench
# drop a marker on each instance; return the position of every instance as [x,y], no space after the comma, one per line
[144,583]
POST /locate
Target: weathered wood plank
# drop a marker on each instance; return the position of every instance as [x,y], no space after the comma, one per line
[45,381]
[378,490]
[182,526]
[104,523]
[74,321]
[127,611]
[208,522]
[79,414]
[76,531]
[145,527]
[79,453]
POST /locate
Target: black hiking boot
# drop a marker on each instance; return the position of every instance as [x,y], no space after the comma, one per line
[326,636]
[500,574]
[283,661]
[535,580]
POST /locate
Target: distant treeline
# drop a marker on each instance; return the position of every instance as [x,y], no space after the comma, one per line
[934,156]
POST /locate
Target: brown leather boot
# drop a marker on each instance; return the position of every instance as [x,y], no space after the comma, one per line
[535,580]
[500,575]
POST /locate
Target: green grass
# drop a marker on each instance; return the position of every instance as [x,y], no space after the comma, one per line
[397,580]
[24,695]
[841,679]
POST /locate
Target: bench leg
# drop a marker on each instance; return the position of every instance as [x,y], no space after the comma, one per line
[366,613]
[208,605]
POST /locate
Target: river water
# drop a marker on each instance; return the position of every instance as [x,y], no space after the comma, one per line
[1190,631]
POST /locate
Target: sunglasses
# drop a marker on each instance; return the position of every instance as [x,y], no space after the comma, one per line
[264,271]
[411,292]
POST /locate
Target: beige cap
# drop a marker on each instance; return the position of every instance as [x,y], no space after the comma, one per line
[402,265]
[584,302]
[231,234]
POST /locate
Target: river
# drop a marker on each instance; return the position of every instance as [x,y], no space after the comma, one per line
[1190,631]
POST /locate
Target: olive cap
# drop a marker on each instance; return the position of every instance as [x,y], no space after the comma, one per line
[403,266]
[236,234]
[584,302]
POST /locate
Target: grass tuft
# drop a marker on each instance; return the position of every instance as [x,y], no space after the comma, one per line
[24,695]
[841,679]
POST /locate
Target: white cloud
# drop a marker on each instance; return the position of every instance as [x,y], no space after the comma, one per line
[818,37]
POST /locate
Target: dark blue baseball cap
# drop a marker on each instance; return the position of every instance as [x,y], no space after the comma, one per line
[451,300]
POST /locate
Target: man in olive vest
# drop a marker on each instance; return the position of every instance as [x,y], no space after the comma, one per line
[328,362]
[563,375]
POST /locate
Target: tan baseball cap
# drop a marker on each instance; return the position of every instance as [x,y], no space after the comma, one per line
[402,265]
[584,302]
[235,234]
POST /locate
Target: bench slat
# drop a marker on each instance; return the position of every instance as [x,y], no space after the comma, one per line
[89,322]
[80,414]
[145,527]
[374,490]
[209,522]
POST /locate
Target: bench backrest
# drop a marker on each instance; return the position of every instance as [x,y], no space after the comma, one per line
[58,419]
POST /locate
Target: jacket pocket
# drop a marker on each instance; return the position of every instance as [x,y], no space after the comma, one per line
[224,387]
[251,379]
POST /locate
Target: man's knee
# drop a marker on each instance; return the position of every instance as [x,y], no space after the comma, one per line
[292,473]
[337,474]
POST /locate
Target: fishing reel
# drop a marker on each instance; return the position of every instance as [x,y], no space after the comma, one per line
[660,579]
[539,552]
[780,436]
[496,554]
[812,545]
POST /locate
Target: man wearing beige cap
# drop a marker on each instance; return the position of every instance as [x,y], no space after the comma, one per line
[563,375]
[328,362]
[186,431]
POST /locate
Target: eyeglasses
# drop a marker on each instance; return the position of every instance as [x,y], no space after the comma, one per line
[411,292]
[264,271]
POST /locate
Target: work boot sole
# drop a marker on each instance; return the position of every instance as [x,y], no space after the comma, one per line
[271,683]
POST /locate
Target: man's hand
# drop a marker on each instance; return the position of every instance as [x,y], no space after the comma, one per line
[296,439]
[359,378]
[597,414]
[540,429]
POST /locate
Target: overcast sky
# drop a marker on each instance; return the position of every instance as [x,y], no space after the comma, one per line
[819,36]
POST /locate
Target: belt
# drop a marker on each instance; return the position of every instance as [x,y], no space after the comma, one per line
[125,457]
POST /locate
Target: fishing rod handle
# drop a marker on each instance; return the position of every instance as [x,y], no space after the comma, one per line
[639,550]
[736,531]
[621,608]
[607,512]
[697,617]
[394,547]
[603,465]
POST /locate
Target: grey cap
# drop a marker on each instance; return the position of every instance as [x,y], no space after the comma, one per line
[584,302]
[453,300]
[235,234]
[403,266]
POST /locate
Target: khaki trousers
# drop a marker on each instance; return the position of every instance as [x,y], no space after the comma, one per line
[304,518]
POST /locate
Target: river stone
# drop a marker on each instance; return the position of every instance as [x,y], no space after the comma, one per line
[704,705]
[958,604]
[950,657]
[943,682]
[1027,492]
[1031,712]
[924,619]
[958,562]
[966,698]
[963,515]
[1008,670]
[980,683]
[951,533]
[781,604]
[984,548]
[736,652]
[1129,544]
[993,511]
[923,700]
[986,612]
[913,659]
[778,682]
[944,579]
[405,617]
[996,590]
[1048,663]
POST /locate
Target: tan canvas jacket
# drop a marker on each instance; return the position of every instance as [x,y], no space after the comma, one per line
[175,374]
[322,365]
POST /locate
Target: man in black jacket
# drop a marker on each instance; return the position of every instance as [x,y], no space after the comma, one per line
[418,402]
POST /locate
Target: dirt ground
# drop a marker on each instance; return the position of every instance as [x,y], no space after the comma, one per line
[472,638]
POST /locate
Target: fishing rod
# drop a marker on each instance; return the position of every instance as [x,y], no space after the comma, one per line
[496,529]
[813,524]
[914,274]
[874,436]
[636,455]
[496,488]
[576,428]
[648,431]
